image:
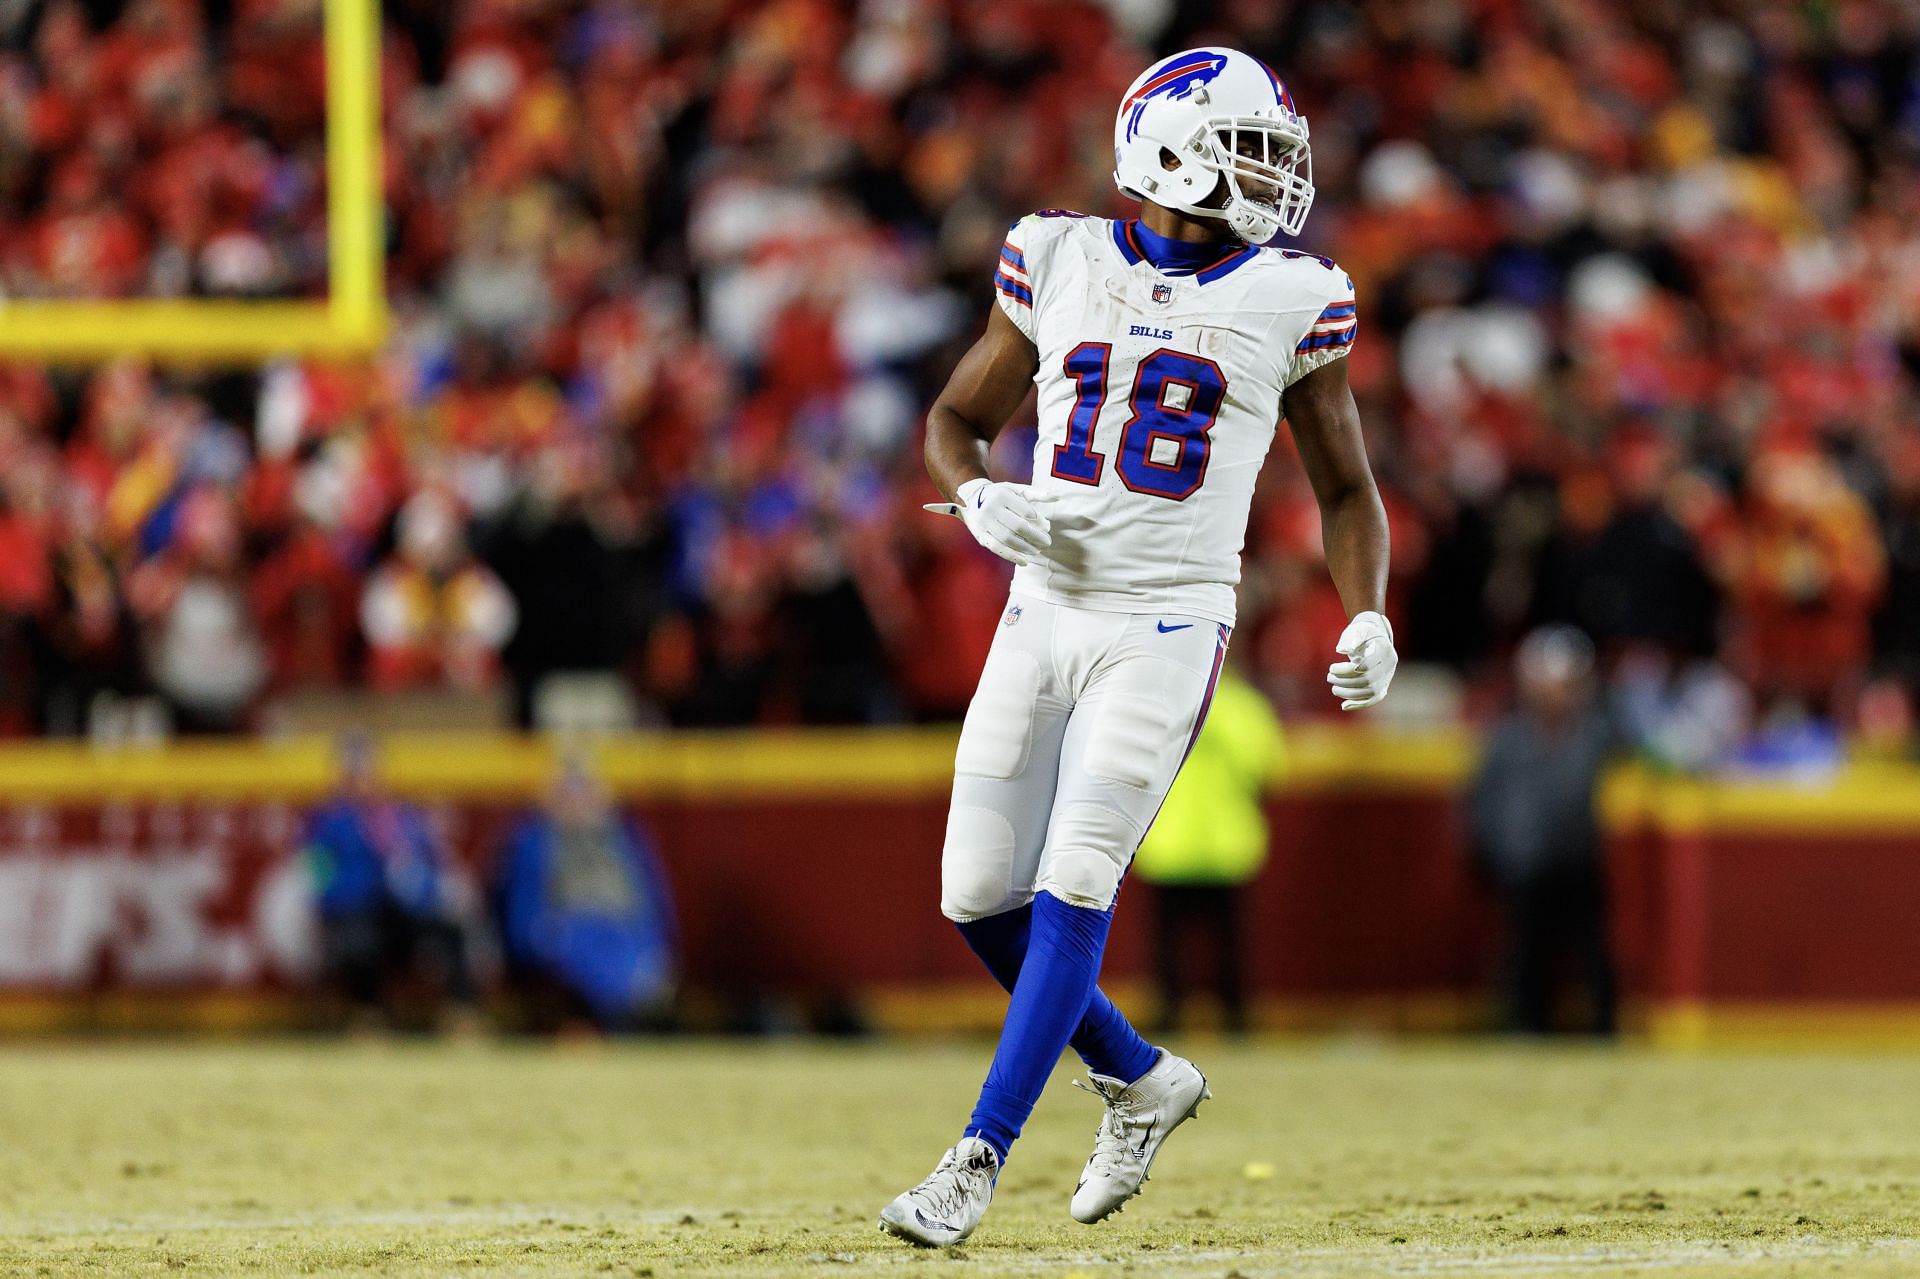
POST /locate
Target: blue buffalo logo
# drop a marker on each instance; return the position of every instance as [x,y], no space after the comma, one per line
[1175,80]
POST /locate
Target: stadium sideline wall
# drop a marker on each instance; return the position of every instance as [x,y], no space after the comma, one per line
[162,887]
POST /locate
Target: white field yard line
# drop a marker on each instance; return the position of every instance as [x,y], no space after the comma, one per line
[1279,1263]
[19,1228]
[1669,1257]
[1313,1263]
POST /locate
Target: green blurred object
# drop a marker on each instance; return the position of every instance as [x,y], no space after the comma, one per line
[1213,828]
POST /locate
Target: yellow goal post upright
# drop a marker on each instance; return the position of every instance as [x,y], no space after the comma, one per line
[353,318]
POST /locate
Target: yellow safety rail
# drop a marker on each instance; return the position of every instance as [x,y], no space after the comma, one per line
[1867,797]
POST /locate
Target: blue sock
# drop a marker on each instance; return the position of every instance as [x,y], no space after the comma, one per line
[1049,998]
[1104,1039]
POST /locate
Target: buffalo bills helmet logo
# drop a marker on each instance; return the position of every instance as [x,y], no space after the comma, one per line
[1176,79]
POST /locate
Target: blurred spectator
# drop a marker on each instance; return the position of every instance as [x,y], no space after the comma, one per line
[584,565]
[432,613]
[1620,567]
[1691,716]
[195,610]
[1206,845]
[306,599]
[1897,625]
[1536,832]
[91,653]
[585,917]
[396,913]
[831,654]
[1805,567]
[26,604]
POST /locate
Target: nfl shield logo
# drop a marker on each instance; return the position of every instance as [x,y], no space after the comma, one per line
[1013,615]
[1163,293]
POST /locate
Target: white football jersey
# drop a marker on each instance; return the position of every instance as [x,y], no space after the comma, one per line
[1159,396]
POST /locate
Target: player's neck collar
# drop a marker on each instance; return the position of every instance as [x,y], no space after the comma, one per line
[1204,262]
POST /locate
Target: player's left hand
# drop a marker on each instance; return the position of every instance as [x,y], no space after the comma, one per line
[1362,680]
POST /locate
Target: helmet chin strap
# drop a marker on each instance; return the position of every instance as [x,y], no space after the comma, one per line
[1251,222]
[1246,219]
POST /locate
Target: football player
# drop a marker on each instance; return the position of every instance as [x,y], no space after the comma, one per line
[1166,351]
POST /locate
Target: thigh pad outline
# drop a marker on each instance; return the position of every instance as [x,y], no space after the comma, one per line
[1141,723]
[998,733]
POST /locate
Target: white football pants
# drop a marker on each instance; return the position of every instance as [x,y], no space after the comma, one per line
[1076,730]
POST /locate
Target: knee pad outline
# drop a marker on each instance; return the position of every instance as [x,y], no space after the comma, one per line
[1087,854]
[976,864]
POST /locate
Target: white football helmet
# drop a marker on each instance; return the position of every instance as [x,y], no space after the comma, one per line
[1222,114]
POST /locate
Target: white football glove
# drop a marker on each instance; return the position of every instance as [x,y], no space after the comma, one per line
[1362,680]
[1004,519]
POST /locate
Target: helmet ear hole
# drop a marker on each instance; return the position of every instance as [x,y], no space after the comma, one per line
[1168,160]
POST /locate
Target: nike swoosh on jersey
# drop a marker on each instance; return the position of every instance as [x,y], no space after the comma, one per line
[1164,628]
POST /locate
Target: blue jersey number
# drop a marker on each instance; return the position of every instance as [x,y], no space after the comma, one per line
[1175,399]
[1075,460]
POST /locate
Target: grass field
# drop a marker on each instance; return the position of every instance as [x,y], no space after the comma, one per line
[722,1158]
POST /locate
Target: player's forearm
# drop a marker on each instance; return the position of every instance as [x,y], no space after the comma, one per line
[987,386]
[1353,528]
[955,451]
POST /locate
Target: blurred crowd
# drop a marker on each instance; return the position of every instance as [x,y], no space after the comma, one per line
[672,284]
[572,928]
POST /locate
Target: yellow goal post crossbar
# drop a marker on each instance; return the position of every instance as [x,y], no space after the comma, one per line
[352,319]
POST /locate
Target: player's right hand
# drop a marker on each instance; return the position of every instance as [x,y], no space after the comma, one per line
[1005,519]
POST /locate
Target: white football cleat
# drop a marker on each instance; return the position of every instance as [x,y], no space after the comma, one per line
[1139,1118]
[945,1208]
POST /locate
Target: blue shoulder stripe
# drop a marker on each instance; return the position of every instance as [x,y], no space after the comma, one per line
[1325,340]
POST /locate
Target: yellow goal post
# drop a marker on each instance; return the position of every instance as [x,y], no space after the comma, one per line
[352,319]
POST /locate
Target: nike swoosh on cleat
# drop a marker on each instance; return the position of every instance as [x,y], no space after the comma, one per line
[1165,629]
[929,1222]
[1140,1152]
